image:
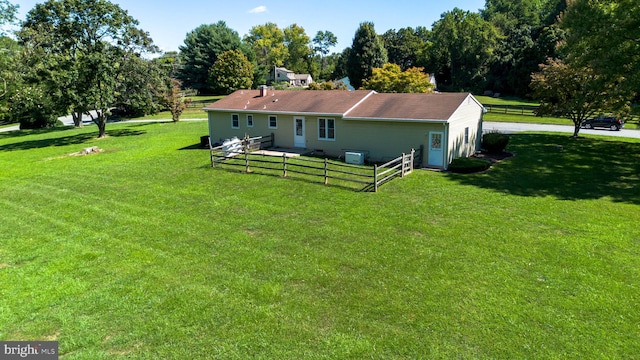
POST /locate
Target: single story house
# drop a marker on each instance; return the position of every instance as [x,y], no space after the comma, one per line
[333,122]
[280,74]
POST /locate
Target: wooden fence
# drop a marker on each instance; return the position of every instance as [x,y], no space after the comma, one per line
[247,160]
[399,166]
[532,110]
[512,109]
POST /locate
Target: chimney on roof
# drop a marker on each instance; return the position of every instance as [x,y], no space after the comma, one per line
[263,90]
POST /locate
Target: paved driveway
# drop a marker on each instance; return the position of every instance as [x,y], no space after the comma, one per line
[520,127]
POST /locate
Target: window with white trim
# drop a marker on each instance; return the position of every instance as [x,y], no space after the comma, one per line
[273,122]
[235,121]
[249,120]
[326,129]
[466,135]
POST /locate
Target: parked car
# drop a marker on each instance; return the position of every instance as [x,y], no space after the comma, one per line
[608,122]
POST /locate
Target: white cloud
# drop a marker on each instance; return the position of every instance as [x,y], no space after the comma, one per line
[259,9]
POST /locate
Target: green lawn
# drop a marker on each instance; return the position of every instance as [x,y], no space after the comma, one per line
[513,101]
[192,112]
[145,252]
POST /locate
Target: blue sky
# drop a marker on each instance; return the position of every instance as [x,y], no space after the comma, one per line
[169,21]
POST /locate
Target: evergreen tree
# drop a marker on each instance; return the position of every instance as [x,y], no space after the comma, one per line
[367,52]
[201,49]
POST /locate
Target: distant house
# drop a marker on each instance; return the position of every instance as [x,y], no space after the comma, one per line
[280,74]
[380,126]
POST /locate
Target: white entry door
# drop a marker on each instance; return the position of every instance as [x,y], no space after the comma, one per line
[436,149]
[299,139]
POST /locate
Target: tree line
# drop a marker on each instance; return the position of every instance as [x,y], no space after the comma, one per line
[73,56]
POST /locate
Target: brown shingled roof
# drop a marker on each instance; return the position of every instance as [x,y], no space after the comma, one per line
[360,104]
[288,101]
[438,106]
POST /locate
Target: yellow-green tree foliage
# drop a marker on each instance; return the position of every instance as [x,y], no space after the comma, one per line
[232,71]
[328,85]
[391,79]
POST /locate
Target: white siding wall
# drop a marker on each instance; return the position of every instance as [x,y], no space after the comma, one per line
[468,115]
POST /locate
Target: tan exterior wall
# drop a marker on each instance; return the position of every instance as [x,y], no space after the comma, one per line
[220,127]
[381,141]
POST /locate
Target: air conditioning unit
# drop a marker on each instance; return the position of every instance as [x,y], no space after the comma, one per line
[356,158]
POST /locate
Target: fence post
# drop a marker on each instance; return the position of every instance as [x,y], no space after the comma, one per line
[213,163]
[375,177]
[413,152]
[284,165]
[246,157]
[326,172]
[403,162]
[273,144]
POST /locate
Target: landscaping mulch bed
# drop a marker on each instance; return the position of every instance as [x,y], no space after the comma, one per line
[494,158]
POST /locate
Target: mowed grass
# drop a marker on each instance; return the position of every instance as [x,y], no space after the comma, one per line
[512,101]
[194,111]
[143,251]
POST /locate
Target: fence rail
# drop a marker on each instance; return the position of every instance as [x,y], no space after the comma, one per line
[533,110]
[245,159]
[512,109]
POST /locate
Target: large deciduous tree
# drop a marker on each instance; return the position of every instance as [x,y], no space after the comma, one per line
[298,50]
[367,52]
[463,46]
[529,38]
[575,92]
[232,71]
[407,47]
[201,49]
[7,12]
[322,42]
[605,35]
[10,76]
[87,44]
[267,42]
[391,79]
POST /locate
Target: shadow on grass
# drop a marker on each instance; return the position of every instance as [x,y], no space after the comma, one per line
[197,146]
[65,140]
[566,168]
[296,178]
[22,133]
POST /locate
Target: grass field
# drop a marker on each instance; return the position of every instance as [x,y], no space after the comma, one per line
[192,112]
[143,251]
[512,101]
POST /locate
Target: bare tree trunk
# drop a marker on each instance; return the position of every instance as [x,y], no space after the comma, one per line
[102,125]
[77,118]
[576,129]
